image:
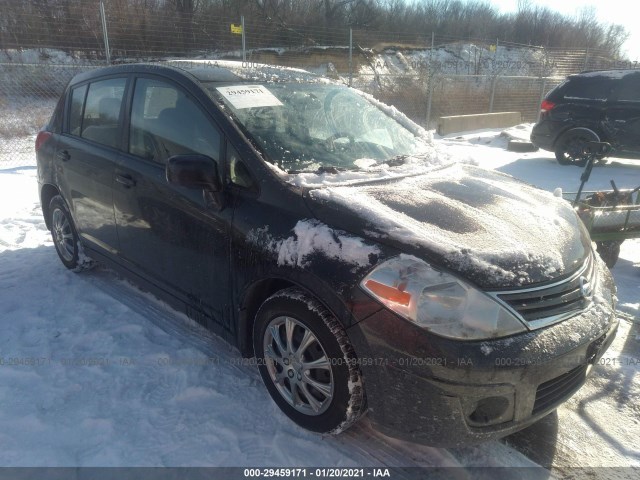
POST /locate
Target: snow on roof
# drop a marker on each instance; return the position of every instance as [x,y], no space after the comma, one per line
[231,70]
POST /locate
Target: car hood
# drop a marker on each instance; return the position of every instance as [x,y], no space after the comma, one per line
[485,226]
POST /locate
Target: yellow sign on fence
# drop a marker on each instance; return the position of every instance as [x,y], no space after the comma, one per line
[236,29]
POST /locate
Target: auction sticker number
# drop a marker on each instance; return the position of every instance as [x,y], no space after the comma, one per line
[249,96]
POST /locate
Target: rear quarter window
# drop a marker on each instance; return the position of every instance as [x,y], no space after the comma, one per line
[588,88]
[75,112]
[102,111]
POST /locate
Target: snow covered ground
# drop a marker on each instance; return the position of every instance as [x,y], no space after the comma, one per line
[93,372]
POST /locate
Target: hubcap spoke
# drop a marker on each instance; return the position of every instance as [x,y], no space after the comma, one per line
[323,388]
[289,327]
[307,339]
[275,334]
[315,404]
[273,355]
[321,363]
[280,377]
[295,394]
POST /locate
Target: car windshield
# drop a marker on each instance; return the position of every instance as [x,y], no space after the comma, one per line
[311,127]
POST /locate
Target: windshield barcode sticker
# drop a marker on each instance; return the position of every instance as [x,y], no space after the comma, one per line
[249,96]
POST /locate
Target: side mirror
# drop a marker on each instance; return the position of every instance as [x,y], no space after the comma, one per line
[193,171]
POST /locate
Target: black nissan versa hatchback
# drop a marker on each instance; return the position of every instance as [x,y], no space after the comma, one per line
[321,233]
[591,106]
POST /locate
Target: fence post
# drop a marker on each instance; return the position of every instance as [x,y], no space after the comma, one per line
[586,59]
[350,55]
[494,80]
[429,96]
[433,40]
[105,35]
[244,51]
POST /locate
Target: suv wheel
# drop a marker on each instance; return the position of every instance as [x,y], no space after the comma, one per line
[570,147]
[65,236]
[307,362]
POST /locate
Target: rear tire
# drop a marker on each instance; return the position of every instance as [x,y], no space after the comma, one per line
[569,147]
[65,237]
[307,362]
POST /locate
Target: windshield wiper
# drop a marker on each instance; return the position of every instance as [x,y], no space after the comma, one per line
[395,161]
[399,159]
[322,169]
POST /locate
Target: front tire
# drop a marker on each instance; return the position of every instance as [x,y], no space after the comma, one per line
[65,237]
[307,362]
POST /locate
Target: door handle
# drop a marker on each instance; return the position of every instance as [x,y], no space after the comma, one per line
[126,180]
[620,121]
[63,155]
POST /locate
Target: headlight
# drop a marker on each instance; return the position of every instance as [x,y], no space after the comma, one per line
[438,301]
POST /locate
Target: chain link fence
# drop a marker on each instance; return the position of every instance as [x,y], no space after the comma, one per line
[424,76]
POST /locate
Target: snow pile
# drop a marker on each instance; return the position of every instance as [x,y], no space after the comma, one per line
[520,132]
[32,56]
[456,59]
[312,236]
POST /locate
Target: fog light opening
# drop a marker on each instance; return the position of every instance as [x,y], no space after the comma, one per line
[489,411]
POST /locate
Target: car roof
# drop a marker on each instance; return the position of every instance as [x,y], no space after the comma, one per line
[610,74]
[218,71]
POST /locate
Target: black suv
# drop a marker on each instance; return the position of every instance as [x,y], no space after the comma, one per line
[591,106]
[321,233]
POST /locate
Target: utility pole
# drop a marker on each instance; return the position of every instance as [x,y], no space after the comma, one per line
[244,45]
[350,55]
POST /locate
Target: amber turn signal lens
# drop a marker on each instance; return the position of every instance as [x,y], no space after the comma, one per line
[389,293]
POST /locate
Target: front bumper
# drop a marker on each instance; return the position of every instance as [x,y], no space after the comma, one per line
[442,392]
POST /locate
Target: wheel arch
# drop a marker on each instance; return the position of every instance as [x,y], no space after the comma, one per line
[569,130]
[47,192]
[257,292]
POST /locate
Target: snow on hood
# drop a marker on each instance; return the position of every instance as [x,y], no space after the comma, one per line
[487,226]
[311,236]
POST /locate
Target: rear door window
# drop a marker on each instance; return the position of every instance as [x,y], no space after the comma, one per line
[102,111]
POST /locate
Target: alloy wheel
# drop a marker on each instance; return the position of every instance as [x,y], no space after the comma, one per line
[298,365]
[63,235]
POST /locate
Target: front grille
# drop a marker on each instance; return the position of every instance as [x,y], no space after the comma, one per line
[555,391]
[555,301]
